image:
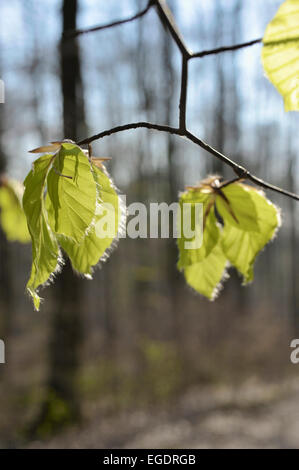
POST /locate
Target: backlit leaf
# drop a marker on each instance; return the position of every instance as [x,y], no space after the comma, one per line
[72,190]
[280,53]
[240,244]
[206,276]
[236,203]
[13,220]
[203,267]
[210,233]
[45,250]
[97,243]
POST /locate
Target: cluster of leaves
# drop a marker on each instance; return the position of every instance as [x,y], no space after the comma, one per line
[238,221]
[63,202]
[65,198]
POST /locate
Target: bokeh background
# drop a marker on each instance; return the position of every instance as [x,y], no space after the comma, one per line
[134,358]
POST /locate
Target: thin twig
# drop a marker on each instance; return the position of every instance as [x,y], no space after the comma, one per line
[168,19]
[127,127]
[239,170]
[78,32]
[227,183]
[219,50]
[242,172]
[183,97]
[263,184]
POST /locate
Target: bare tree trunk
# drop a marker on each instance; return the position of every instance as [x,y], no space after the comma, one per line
[231,113]
[62,405]
[171,194]
[217,166]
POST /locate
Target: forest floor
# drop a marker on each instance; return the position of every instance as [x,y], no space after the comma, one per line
[253,415]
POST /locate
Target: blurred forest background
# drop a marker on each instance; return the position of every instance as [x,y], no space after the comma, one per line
[134,357]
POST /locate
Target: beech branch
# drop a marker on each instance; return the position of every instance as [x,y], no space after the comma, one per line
[219,50]
[241,172]
[77,32]
[168,20]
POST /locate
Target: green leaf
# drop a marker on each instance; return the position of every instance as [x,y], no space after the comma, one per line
[13,220]
[203,267]
[206,276]
[211,231]
[45,250]
[280,53]
[72,190]
[235,202]
[96,244]
[240,244]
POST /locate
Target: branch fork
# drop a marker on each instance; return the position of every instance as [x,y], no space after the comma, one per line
[168,20]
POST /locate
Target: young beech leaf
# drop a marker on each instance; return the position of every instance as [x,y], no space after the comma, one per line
[85,255]
[45,250]
[280,53]
[206,276]
[242,243]
[13,220]
[72,191]
[203,267]
[211,231]
[236,203]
